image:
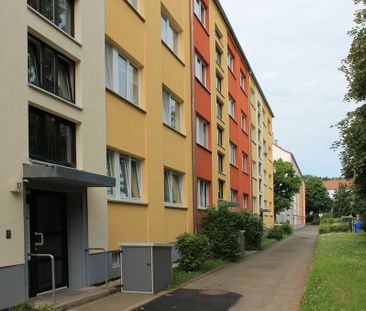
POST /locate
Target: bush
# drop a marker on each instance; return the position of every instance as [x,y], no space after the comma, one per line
[194,251]
[287,229]
[275,233]
[324,228]
[222,226]
[253,226]
[339,228]
[28,307]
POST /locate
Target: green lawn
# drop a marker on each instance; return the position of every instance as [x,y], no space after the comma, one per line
[268,242]
[337,281]
[180,277]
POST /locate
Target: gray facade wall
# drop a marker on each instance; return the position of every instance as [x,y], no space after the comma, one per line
[12,286]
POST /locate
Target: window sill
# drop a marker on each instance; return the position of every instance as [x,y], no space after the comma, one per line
[234,166]
[174,130]
[136,11]
[232,118]
[129,202]
[204,86]
[65,101]
[205,148]
[232,73]
[245,132]
[45,163]
[173,53]
[222,95]
[54,26]
[221,120]
[222,174]
[202,208]
[175,206]
[126,100]
[246,173]
[221,147]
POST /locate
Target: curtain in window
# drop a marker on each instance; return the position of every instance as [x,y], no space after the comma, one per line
[110,170]
[33,63]
[109,66]
[63,80]
[64,153]
[135,179]
[174,114]
[47,6]
[122,76]
[166,107]
[63,15]
[176,189]
[167,184]
[49,70]
[124,172]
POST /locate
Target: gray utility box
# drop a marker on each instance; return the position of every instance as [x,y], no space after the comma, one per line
[145,267]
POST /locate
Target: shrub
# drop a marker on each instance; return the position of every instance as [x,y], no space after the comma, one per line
[194,251]
[222,226]
[324,228]
[287,229]
[275,233]
[253,226]
[339,228]
[28,307]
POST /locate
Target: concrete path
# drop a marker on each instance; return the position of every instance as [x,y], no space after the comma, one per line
[273,279]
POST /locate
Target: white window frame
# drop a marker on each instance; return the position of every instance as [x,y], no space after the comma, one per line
[218,56]
[244,162]
[200,69]
[219,83]
[170,174]
[242,80]
[219,109]
[202,132]
[169,28]
[113,159]
[167,110]
[203,194]
[232,154]
[220,134]
[244,122]
[222,182]
[231,107]
[233,195]
[200,12]
[230,61]
[112,74]
[245,200]
[220,156]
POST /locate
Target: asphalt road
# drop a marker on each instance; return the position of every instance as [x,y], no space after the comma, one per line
[273,279]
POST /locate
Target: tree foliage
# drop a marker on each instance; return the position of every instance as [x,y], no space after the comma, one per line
[286,184]
[342,201]
[317,198]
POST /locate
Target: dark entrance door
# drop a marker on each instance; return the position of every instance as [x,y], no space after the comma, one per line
[48,235]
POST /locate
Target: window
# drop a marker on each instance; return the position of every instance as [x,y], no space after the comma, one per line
[218,34]
[260,168]
[218,56]
[260,152]
[232,154]
[233,195]
[220,194]
[243,122]
[259,135]
[245,200]
[59,12]
[172,187]
[202,132]
[169,34]
[254,169]
[230,61]
[203,194]
[200,70]
[259,117]
[270,180]
[200,11]
[269,126]
[51,139]
[260,185]
[242,80]
[265,177]
[244,162]
[254,203]
[265,148]
[219,109]
[127,171]
[220,162]
[171,111]
[218,83]
[116,259]
[219,136]
[50,70]
[134,3]
[121,75]
[251,97]
[231,107]
[252,132]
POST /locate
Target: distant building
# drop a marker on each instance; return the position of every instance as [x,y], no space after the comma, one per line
[333,184]
[296,214]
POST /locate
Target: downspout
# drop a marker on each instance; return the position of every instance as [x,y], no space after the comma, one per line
[250,144]
[193,123]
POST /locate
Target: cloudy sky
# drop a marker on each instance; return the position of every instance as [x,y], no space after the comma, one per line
[295,48]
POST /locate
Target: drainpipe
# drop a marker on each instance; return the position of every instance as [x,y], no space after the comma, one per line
[193,123]
[250,145]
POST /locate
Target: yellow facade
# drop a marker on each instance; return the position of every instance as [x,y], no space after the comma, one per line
[139,131]
[261,151]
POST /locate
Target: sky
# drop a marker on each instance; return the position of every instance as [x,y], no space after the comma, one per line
[295,48]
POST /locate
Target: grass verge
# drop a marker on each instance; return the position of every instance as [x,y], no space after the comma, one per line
[268,242]
[338,278]
[180,277]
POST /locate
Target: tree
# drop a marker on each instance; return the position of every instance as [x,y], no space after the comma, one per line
[286,184]
[317,197]
[342,201]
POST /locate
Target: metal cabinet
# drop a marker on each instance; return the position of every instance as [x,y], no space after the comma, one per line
[145,267]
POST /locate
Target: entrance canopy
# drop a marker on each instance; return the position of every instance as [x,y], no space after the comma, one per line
[66,175]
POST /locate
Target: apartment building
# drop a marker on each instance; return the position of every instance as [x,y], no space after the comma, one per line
[148,113]
[261,153]
[53,160]
[296,215]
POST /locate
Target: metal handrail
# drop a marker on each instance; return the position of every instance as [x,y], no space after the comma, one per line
[53,273]
[105,262]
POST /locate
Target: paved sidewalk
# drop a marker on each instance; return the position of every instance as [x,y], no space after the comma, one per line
[273,279]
